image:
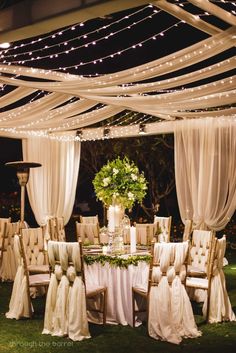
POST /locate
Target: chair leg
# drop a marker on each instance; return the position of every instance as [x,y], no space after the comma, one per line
[105,307]
[133,307]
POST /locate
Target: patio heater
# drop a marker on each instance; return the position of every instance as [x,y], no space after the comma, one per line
[22,172]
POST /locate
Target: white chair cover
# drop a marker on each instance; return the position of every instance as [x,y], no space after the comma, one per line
[18,306]
[88,232]
[164,224]
[220,307]
[170,312]
[65,313]
[145,233]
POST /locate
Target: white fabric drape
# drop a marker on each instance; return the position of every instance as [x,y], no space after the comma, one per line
[220,306]
[205,171]
[121,90]
[18,306]
[65,313]
[170,313]
[51,188]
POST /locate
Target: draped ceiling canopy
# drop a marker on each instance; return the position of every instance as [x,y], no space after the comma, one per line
[140,70]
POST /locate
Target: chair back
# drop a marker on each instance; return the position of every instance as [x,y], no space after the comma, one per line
[33,241]
[89,219]
[188,227]
[163,227]
[145,233]
[56,227]
[87,233]
[8,265]
[3,221]
[201,250]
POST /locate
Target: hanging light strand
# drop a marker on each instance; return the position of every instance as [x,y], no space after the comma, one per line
[65,44]
[60,32]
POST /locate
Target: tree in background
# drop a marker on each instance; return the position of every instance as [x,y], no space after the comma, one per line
[154,155]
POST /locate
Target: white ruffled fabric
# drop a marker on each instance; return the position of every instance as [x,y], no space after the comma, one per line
[18,306]
[220,306]
[65,313]
[170,313]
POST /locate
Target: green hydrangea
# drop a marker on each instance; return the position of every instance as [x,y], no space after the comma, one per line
[119,181]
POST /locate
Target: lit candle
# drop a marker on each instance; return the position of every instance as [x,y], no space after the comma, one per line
[111,219]
[132,239]
[104,249]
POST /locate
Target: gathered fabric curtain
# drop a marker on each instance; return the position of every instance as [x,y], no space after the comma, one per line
[205,171]
[52,187]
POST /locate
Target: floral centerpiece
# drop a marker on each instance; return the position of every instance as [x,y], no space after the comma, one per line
[120,182]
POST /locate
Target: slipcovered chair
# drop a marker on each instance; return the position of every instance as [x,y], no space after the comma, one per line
[20,303]
[188,228]
[170,315]
[87,233]
[66,312]
[145,233]
[8,264]
[163,228]
[89,219]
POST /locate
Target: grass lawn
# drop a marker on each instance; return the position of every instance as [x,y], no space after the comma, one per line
[25,335]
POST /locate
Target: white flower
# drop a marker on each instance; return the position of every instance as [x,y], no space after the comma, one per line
[130,196]
[106,181]
[115,171]
[134,176]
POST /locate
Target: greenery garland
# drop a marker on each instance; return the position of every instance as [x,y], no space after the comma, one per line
[116,261]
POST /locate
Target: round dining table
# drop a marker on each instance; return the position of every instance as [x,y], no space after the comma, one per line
[119,281]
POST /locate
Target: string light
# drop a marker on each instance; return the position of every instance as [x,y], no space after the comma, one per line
[99,59]
[83,36]
[72,122]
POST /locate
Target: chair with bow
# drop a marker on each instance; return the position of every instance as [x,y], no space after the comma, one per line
[163,228]
[66,311]
[170,315]
[20,303]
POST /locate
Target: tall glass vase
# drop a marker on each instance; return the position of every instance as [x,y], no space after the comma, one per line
[115,215]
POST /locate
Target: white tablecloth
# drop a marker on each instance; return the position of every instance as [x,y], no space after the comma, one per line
[119,282]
